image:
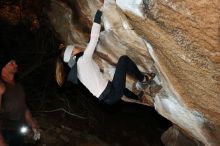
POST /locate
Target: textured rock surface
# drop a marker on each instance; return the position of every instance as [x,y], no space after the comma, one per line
[177,39]
[174,137]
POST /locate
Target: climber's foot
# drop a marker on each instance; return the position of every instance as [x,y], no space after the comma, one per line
[146,99]
[144,84]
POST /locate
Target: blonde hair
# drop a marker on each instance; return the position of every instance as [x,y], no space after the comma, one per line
[60,70]
[60,73]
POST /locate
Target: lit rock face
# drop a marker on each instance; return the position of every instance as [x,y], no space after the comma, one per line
[179,40]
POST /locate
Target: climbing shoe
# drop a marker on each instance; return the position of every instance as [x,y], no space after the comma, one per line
[144,84]
[146,99]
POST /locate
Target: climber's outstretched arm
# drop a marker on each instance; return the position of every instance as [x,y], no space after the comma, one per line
[94,36]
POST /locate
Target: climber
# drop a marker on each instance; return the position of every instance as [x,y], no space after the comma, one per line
[85,69]
[14,113]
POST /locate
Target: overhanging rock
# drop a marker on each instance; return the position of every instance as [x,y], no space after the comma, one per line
[179,40]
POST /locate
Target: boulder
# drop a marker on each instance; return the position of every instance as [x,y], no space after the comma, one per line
[178,40]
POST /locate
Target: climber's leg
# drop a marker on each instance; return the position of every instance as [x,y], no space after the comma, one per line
[130,94]
[124,65]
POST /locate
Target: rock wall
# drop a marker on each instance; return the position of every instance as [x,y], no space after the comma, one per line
[179,40]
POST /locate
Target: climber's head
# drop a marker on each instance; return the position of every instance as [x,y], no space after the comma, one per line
[67,55]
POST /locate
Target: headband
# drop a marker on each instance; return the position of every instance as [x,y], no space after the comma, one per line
[68,52]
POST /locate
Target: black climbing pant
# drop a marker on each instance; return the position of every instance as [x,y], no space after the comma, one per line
[117,87]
